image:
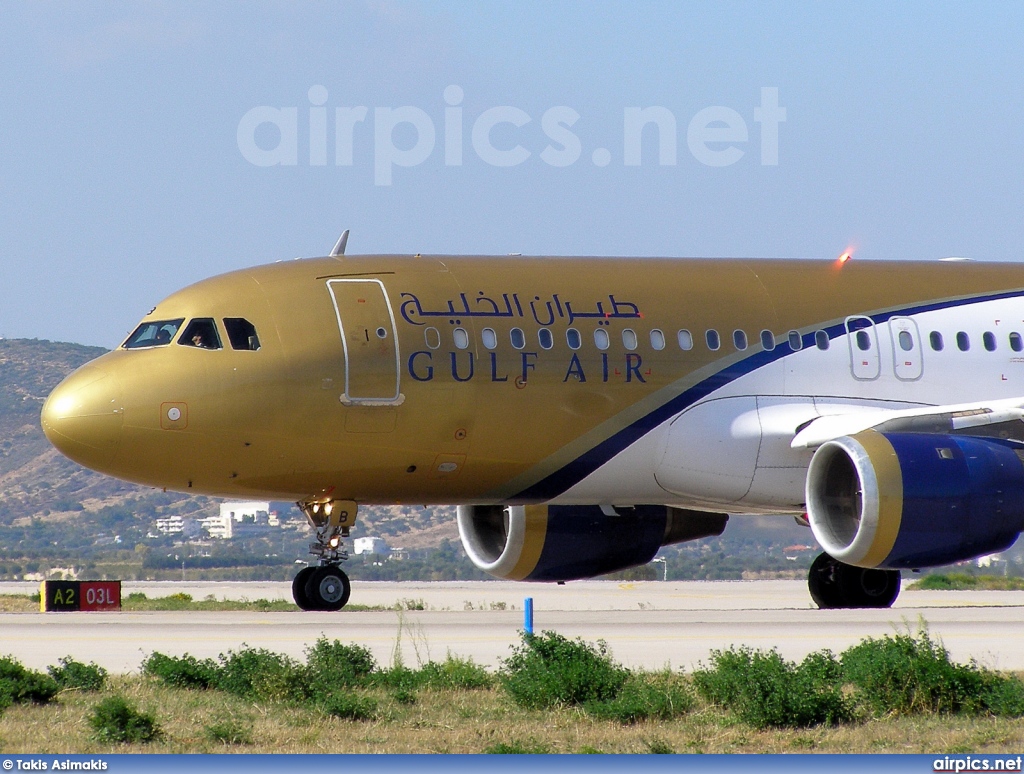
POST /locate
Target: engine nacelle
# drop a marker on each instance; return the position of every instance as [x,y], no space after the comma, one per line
[570,542]
[910,500]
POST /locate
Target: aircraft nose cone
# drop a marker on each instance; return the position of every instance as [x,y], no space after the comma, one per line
[83,416]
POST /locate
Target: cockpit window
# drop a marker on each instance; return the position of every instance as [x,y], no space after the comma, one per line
[202,333]
[241,333]
[156,333]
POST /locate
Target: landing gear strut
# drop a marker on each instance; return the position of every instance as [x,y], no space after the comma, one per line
[836,585]
[324,586]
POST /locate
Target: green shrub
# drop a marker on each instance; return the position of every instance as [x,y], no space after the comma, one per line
[115,720]
[659,747]
[455,674]
[661,696]
[404,696]
[71,674]
[548,670]
[348,706]
[517,748]
[766,691]
[399,677]
[331,664]
[256,673]
[1004,696]
[19,685]
[183,671]
[906,674]
[228,732]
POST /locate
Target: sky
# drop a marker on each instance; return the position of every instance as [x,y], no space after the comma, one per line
[147,146]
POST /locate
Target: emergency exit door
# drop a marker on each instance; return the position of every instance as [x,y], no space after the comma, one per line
[369,345]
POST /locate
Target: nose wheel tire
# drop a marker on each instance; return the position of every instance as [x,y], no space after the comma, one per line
[299,588]
[327,588]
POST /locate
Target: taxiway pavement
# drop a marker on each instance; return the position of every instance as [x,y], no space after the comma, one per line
[647,624]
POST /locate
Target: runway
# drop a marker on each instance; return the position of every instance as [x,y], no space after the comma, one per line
[650,625]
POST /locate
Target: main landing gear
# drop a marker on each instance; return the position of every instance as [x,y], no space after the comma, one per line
[836,585]
[325,586]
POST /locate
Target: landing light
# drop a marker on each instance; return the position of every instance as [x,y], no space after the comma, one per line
[845,257]
[335,541]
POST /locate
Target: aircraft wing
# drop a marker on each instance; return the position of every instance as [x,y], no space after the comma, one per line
[999,418]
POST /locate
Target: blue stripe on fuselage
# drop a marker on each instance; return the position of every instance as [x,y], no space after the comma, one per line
[571,474]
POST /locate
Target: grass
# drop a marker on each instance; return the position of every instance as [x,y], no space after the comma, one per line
[898,694]
[962,582]
[463,722]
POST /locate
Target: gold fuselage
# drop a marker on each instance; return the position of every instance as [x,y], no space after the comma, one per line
[471,425]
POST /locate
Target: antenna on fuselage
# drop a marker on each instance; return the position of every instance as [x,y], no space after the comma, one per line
[339,246]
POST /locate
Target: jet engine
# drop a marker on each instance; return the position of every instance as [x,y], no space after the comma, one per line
[570,542]
[911,500]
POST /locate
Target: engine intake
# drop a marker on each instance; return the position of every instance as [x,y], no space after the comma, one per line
[570,542]
[910,500]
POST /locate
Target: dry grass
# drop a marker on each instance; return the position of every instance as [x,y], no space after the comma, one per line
[466,722]
[18,603]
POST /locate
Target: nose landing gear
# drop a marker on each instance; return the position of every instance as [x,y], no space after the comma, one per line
[325,586]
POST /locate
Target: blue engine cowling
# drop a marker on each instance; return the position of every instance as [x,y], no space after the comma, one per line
[570,542]
[910,500]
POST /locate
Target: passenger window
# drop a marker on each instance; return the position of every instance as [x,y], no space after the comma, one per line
[489,338]
[821,340]
[629,339]
[864,341]
[601,339]
[935,339]
[796,341]
[1015,342]
[241,334]
[202,333]
[545,338]
[963,341]
[712,339]
[461,338]
[153,334]
[739,340]
[988,340]
[685,340]
[572,338]
[657,340]
[767,340]
[432,337]
[517,337]
[907,341]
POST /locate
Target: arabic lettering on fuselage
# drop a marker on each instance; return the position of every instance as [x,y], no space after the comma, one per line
[543,312]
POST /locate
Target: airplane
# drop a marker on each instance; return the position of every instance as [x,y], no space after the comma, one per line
[584,412]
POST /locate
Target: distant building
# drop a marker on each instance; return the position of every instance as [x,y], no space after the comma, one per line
[219,526]
[370,545]
[253,512]
[241,519]
[175,525]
